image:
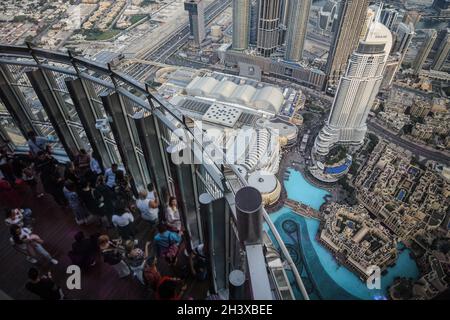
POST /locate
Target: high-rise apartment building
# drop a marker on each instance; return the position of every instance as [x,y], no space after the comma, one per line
[327,15]
[241,24]
[403,37]
[297,25]
[424,50]
[196,11]
[356,91]
[442,7]
[254,17]
[351,18]
[268,26]
[442,53]
[389,17]
[412,17]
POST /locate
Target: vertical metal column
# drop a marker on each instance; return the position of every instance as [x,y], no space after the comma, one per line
[215,215]
[4,139]
[149,139]
[53,104]
[250,220]
[123,136]
[187,186]
[13,100]
[86,112]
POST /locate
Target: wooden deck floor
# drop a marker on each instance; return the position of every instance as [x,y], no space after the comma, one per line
[57,228]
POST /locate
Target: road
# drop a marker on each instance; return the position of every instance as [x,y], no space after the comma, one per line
[416,149]
[173,42]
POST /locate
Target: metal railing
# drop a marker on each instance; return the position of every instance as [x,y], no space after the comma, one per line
[212,175]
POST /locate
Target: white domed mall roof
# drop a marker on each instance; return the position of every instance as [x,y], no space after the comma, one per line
[269,99]
[264,181]
[224,89]
[243,94]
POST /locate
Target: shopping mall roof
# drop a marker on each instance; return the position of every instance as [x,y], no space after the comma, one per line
[267,98]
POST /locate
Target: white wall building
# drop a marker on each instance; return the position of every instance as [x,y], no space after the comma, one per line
[357,91]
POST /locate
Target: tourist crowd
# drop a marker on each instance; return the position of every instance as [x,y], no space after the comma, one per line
[107,200]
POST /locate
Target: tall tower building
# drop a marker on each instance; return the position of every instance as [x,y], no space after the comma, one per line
[389,17]
[442,53]
[241,24]
[403,37]
[424,50]
[284,17]
[356,91]
[413,17]
[196,11]
[442,7]
[297,25]
[370,17]
[351,17]
[254,17]
[268,26]
[327,15]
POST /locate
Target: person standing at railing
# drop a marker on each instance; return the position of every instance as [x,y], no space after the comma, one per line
[37,143]
[81,214]
[105,199]
[148,207]
[173,219]
[110,175]
[46,166]
[82,163]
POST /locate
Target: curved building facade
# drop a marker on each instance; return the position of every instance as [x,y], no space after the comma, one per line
[268,26]
[357,91]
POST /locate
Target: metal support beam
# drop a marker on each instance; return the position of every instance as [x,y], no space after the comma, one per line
[54,105]
[86,112]
[4,139]
[187,186]
[124,137]
[13,100]
[215,216]
[149,139]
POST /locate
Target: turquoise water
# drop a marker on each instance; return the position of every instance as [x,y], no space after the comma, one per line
[299,189]
[323,277]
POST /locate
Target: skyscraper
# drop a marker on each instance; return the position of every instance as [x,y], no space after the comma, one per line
[298,14]
[389,17]
[253,21]
[327,15]
[196,11]
[356,91]
[403,37]
[442,53]
[268,26]
[351,18]
[370,17]
[412,16]
[424,50]
[442,7]
[241,24]
[284,17]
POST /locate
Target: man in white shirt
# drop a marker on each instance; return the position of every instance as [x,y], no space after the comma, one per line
[123,224]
